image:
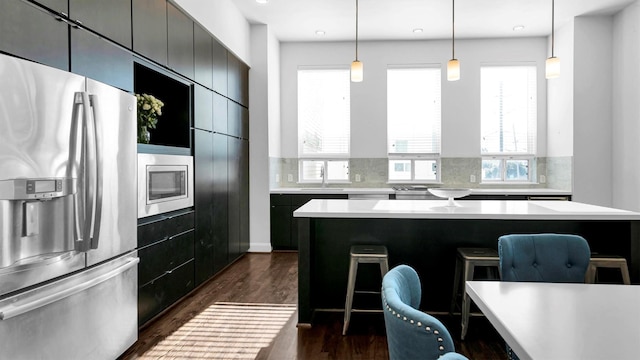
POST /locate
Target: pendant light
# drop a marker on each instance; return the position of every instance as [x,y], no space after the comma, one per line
[453,66]
[356,66]
[552,70]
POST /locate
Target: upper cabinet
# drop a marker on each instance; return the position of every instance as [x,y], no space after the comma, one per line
[150,29]
[203,56]
[111,19]
[180,41]
[34,34]
[59,6]
[219,68]
[238,80]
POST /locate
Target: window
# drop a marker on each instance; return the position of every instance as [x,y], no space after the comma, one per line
[508,122]
[413,122]
[323,124]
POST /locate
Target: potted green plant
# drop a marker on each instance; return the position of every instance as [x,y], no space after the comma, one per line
[149,108]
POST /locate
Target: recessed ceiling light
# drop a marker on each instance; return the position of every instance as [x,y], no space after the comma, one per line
[417,30]
[320,32]
[518,28]
[262,1]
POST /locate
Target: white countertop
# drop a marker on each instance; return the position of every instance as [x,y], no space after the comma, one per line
[468,209]
[381,191]
[563,321]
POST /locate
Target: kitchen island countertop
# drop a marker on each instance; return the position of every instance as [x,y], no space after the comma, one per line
[469,209]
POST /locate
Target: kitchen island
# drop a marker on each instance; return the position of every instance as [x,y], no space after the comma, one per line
[425,234]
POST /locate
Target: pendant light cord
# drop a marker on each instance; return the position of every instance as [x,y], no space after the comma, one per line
[356,30]
[553,16]
[453,29]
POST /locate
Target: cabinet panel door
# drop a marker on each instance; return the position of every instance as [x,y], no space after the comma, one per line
[234,197]
[238,77]
[219,68]
[204,186]
[203,56]
[101,60]
[179,41]
[203,108]
[220,114]
[150,29]
[244,196]
[111,19]
[220,202]
[280,227]
[238,120]
[34,34]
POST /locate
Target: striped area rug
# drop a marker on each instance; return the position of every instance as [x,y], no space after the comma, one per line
[225,331]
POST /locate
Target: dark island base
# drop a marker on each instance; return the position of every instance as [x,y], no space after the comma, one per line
[428,245]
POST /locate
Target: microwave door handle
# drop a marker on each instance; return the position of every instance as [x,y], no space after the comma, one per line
[97,143]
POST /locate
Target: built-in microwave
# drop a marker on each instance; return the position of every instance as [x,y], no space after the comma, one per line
[165,183]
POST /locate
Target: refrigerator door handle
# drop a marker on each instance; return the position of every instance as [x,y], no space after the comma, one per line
[19,308]
[97,143]
[75,167]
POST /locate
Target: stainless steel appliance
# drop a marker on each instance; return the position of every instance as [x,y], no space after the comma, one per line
[413,192]
[165,183]
[68,265]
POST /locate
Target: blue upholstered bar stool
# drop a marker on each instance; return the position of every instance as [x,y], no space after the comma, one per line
[362,254]
[467,260]
[607,261]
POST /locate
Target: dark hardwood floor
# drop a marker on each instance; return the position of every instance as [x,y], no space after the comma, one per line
[272,279]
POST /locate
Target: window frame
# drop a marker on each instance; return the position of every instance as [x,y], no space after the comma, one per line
[413,156]
[532,133]
[325,165]
[300,142]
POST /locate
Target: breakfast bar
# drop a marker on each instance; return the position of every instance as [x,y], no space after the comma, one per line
[425,235]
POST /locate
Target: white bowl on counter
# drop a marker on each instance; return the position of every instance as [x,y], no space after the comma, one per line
[450,193]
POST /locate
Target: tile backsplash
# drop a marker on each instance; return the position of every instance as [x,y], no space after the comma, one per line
[551,172]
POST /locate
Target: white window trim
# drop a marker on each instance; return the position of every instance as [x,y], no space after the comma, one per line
[503,180]
[413,158]
[301,180]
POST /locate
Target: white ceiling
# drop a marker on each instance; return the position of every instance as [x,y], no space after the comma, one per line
[298,20]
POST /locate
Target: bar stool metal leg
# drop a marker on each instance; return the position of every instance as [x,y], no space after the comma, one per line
[353,271]
[466,301]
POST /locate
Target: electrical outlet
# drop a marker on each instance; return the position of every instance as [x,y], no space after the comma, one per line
[277,178]
[543,179]
[358,179]
[290,177]
[472,178]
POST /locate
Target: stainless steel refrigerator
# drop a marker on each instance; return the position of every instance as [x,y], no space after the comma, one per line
[68,265]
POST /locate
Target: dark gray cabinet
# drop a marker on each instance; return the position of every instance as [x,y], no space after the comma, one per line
[204,202]
[179,42]
[220,201]
[235,149]
[238,80]
[220,113]
[59,6]
[94,57]
[33,33]
[202,56]
[284,227]
[111,19]
[202,108]
[150,29]
[166,268]
[220,68]
[238,120]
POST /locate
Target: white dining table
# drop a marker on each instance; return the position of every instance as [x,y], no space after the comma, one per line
[549,321]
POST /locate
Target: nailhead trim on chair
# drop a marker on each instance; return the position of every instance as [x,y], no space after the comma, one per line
[419,324]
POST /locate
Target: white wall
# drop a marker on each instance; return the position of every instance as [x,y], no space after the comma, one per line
[560,96]
[626,109]
[224,21]
[592,110]
[460,99]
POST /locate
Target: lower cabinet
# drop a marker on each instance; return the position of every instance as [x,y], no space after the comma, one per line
[166,269]
[284,227]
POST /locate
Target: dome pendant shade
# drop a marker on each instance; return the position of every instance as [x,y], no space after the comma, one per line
[453,70]
[357,71]
[552,70]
